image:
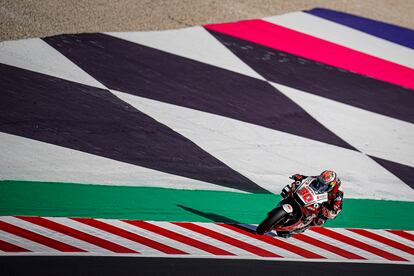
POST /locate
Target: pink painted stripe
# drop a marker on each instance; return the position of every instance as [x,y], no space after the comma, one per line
[297,43]
[383,240]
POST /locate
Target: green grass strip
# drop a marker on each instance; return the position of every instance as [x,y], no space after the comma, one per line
[147,203]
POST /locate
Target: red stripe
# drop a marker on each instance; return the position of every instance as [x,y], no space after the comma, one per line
[15,230]
[383,240]
[178,237]
[78,234]
[273,241]
[8,247]
[361,245]
[328,247]
[130,236]
[215,235]
[402,234]
[297,43]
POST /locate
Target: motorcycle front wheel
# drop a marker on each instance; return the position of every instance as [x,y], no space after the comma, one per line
[273,218]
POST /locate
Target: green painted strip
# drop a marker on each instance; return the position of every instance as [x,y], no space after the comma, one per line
[79,200]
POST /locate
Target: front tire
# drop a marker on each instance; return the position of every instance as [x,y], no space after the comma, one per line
[273,218]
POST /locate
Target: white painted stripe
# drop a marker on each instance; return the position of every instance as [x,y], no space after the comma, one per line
[404,238]
[55,235]
[344,246]
[156,237]
[25,243]
[393,237]
[194,43]
[194,252]
[260,244]
[374,134]
[102,234]
[345,36]
[375,244]
[268,157]
[32,160]
[36,55]
[310,247]
[314,248]
[203,238]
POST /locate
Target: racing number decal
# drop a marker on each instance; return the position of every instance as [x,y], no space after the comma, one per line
[306,195]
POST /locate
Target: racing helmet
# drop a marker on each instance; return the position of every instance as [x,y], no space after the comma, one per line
[329,179]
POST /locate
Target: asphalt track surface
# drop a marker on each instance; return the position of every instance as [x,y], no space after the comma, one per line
[66,265]
[30,18]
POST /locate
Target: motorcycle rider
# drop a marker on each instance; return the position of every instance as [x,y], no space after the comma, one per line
[328,181]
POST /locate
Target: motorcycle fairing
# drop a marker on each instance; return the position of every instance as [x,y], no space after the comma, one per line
[308,196]
[309,204]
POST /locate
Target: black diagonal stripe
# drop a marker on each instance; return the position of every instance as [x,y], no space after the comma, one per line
[93,120]
[147,72]
[323,80]
[403,172]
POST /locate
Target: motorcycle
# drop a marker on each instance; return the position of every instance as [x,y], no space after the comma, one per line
[297,209]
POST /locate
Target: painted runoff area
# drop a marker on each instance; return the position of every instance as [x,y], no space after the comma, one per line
[25,235]
[160,204]
[272,154]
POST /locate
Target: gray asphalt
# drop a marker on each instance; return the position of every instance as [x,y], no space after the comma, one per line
[102,266]
[32,18]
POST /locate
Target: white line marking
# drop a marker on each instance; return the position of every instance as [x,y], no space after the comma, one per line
[155,237]
[102,234]
[25,243]
[206,239]
[260,244]
[56,235]
[345,36]
[344,246]
[376,244]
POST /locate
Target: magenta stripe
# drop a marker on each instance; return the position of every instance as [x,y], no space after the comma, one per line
[284,39]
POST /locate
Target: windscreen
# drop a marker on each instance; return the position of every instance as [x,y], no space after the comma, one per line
[319,187]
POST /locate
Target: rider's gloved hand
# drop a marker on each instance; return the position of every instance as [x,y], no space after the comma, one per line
[324,212]
[319,221]
[286,192]
[321,218]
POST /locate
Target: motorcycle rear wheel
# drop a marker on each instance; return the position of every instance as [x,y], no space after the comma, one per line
[273,218]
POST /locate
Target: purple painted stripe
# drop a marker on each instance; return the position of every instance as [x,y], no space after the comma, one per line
[403,172]
[394,33]
[93,120]
[324,80]
[150,73]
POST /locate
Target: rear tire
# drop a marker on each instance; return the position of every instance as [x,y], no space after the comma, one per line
[274,217]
